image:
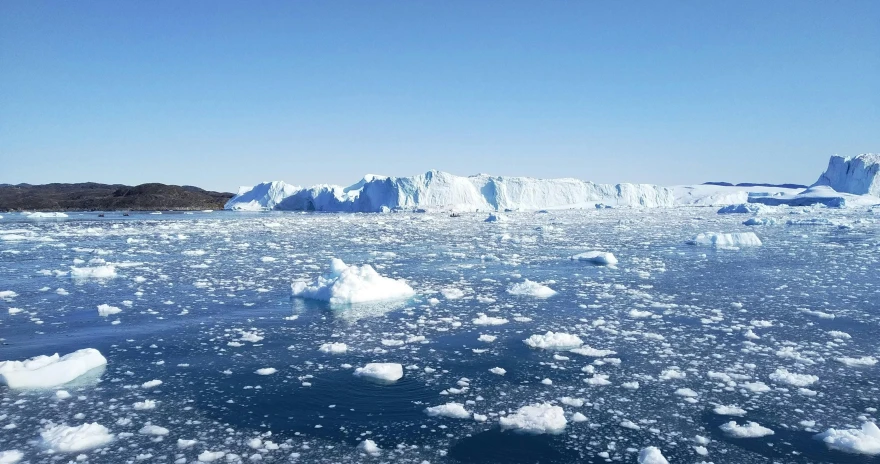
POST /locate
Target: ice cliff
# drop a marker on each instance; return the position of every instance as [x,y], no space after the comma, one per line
[858,175]
[441,190]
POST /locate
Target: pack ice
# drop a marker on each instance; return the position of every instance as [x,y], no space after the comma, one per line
[49,371]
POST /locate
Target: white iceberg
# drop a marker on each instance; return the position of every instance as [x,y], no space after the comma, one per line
[750,430]
[530,288]
[602,258]
[346,284]
[49,371]
[97,272]
[865,440]
[66,439]
[536,419]
[42,215]
[554,341]
[858,175]
[734,240]
[382,372]
[652,455]
[451,410]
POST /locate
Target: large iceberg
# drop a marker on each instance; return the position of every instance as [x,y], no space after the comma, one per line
[858,175]
[49,371]
[441,190]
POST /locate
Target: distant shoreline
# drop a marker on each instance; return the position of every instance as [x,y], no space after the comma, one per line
[93,197]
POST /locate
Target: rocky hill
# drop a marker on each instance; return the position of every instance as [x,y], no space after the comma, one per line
[91,196]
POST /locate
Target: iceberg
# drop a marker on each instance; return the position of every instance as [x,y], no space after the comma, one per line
[858,175]
[738,239]
[67,439]
[345,285]
[441,190]
[49,371]
[535,419]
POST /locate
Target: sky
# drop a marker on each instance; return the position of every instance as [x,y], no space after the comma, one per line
[220,94]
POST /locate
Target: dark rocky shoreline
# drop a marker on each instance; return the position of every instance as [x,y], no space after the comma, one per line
[92,196]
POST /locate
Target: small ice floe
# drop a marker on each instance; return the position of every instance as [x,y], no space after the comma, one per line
[498,370]
[10,456]
[790,378]
[211,456]
[734,240]
[451,410]
[750,430]
[864,361]
[865,440]
[381,372]
[493,217]
[97,272]
[345,284]
[67,439]
[483,319]
[760,221]
[369,447]
[105,310]
[152,383]
[150,429]
[554,341]
[333,348]
[530,288]
[266,371]
[49,371]
[536,419]
[7,295]
[651,455]
[45,215]
[452,293]
[724,410]
[602,258]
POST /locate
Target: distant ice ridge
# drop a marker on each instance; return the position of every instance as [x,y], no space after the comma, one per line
[441,190]
[858,175]
[346,284]
[49,371]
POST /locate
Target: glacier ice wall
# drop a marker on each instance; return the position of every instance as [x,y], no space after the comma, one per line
[441,190]
[858,175]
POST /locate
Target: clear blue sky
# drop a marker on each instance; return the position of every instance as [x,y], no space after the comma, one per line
[220,94]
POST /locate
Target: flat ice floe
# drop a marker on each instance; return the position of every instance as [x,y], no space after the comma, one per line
[652,455]
[50,371]
[536,419]
[865,440]
[602,258]
[791,378]
[732,240]
[97,272]
[68,439]
[530,288]
[333,348]
[749,430]
[10,456]
[383,372]
[345,284]
[554,341]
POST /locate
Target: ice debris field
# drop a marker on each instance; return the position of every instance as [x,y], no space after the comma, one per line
[600,335]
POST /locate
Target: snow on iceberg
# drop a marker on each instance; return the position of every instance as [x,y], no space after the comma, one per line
[858,175]
[49,371]
[67,439]
[536,419]
[738,239]
[602,258]
[441,190]
[346,284]
[856,441]
[381,372]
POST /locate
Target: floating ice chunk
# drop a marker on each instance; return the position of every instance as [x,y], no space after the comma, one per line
[744,208]
[487,338]
[864,361]
[602,258]
[45,215]
[7,295]
[150,429]
[498,370]
[750,430]
[266,371]
[62,394]
[483,319]
[186,444]
[592,352]
[333,348]
[760,221]
[536,419]
[383,372]
[723,410]
[686,392]
[66,439]
[529,288]
[369,447]
[578,417]
[496,218]
[11,456]
[152,383]
[554,341]
[452,293]
[346,284]
[211,456]
[734,240]
[97,272]
[107,310]
[856,441]
[453,410]
[790,378]
[49,371]
[144,405]
[651,455]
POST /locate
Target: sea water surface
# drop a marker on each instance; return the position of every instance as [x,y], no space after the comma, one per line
[678,330]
